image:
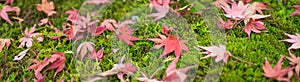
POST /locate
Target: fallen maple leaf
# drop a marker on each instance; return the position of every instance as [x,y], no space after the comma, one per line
[166,29]
[73,15]
[250,13]
[221,3]
[57,62]
[39,78]
[44,22]
[38,67]
[225,24]
[162,8]
[96,55]
[276,72]
[21,55]
[217,52]
[256,26]
[120,69]
[295,40]
[96,2]
[171,43]
[125,34]
[236,11]
[259,6]
[175,75]
[297,12]
[85,48]
[5,42]
[27,40]
[295,62]
[5,9]
[46,7]
[109,24]
[7,2]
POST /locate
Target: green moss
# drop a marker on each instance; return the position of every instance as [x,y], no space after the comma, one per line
[253,49]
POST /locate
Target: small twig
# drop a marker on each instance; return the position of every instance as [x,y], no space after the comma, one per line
[242,60]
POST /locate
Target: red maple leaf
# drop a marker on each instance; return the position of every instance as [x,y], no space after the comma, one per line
[276,72]
[125,34]
[171,43]
[297,12]
[166,29]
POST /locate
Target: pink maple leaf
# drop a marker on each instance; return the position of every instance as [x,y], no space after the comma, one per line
[295,40]
[259,6]
[295,62]
[125,34]
[73,15]
[175,75]
[162,8]
[96,55]
[27,40]
[256,26]
[96,1]
[221,3]
[109,24]
[5,9]
[46,7]
[120,69]
[225,24]
[171,43]
[217,52]
[7,2]
[40,78]
[85,48]
[57,61]
[236,11]
[297,12]
[276,72]
[38,67]
[5,42]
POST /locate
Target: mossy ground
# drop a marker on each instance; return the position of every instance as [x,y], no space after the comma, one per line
[254,49]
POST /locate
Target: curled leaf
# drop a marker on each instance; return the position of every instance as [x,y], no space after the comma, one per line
[21,55]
